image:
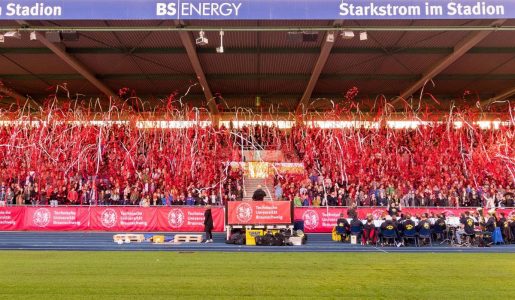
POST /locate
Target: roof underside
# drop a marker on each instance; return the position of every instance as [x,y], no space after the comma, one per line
[265,64]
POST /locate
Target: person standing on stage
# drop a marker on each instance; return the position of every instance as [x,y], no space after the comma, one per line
[259,194]
[208,225]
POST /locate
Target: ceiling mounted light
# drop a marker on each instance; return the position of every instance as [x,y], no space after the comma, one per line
[33,36]
[201,40]
[221,48]
[363,36]
[347,34]
[330,37]
[13,34]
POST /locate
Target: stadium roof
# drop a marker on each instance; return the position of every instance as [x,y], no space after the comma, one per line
[271,65]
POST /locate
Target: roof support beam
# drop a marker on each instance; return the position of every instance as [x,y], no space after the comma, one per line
[74,63]
[459,50]
[500,97]
[191,51]
[327,46]
[11,93]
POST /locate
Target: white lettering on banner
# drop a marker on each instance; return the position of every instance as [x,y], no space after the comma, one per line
[479,9]
[347,9]
[36,10]
[201,9]
[6,218]
[63,217]
[454,8]
[132,218]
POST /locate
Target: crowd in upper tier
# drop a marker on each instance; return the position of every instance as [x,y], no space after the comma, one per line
[122,164]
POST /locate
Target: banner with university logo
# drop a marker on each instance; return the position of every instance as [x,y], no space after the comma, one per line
[123,218]
[105,218]
[323,219]
[255,9]
[258,212]
[55,218]
[189,219]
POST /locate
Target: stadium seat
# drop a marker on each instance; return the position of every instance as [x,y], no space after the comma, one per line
[410,235]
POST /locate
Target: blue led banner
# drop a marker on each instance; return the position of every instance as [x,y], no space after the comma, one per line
[254,9]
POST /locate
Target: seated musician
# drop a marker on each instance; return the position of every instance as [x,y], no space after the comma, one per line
[408,227]
[440,226]
[424,225]
[369,231]
[388,225]
[466,226]
[491,223]
[342,227]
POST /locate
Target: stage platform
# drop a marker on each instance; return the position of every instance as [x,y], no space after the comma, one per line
[103,241]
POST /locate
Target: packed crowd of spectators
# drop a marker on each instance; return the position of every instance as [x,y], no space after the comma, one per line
[126,165]
[116,165]
[429,166]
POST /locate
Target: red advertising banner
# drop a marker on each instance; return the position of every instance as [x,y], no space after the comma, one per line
[183,219]
[123,218]
[104,218]
[187,219]
[55,218]
[258,212]
[322,219]
[11,218]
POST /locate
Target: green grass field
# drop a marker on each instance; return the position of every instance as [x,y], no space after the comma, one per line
[172,275]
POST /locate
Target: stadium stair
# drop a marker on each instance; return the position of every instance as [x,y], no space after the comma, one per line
[251,185]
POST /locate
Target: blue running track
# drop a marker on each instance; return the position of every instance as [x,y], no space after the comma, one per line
[103,241]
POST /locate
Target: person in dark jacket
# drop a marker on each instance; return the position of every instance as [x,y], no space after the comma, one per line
[492,222]
[356,226]
[208,224]
[342,227]
[407,225]
[259,194]
[388,225]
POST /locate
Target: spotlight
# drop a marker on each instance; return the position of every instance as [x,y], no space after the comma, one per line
[201,40]
[33,36]
[221,48]
[363,36]
[13,34]
[330,37]
[347,34]
[2,39]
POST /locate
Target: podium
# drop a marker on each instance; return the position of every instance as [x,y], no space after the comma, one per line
[258,215]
